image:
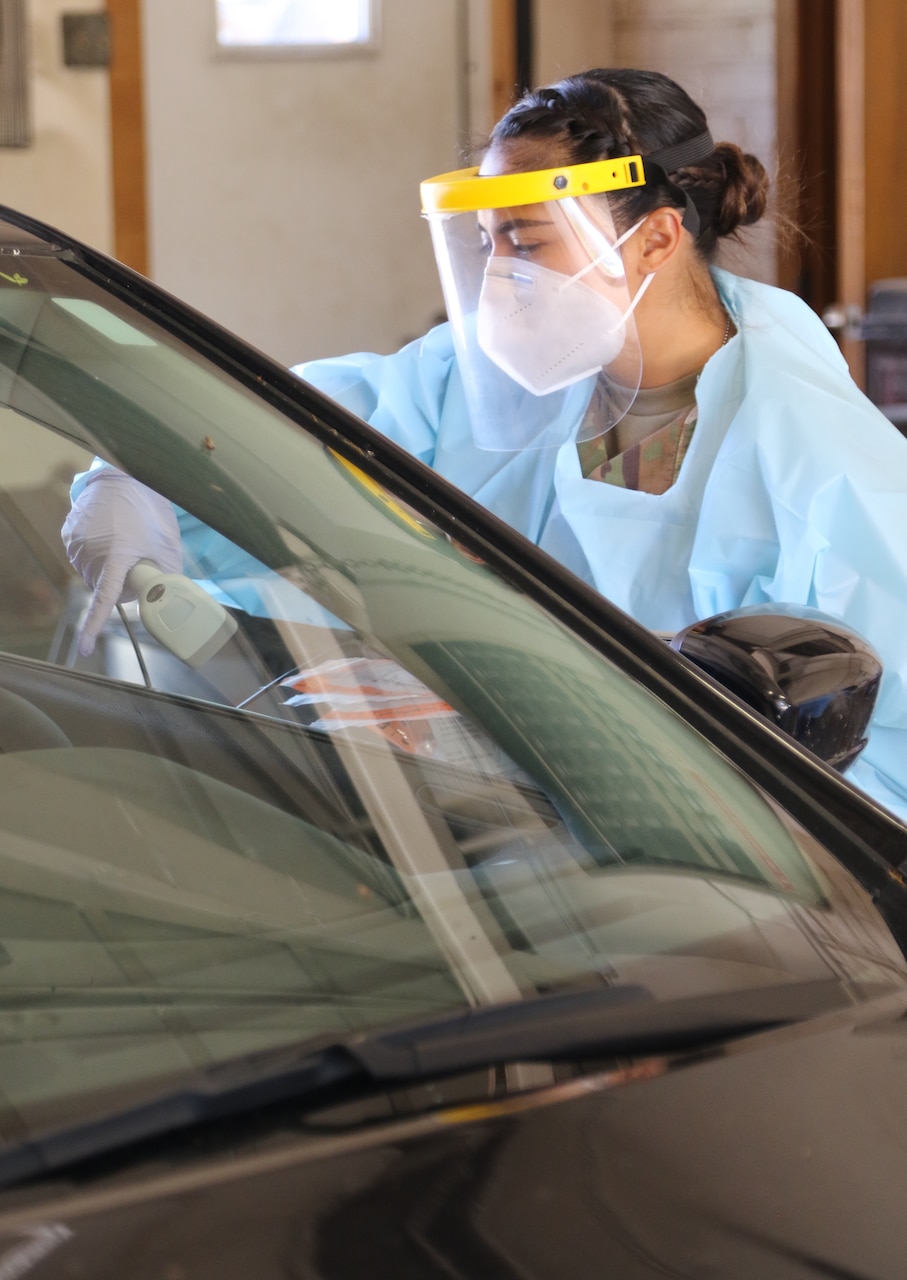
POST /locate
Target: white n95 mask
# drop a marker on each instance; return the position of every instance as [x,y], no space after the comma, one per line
[547,330]
[542,328]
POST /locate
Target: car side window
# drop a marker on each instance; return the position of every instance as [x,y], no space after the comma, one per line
[287,657]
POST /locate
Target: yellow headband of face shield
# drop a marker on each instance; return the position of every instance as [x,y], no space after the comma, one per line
[464,191]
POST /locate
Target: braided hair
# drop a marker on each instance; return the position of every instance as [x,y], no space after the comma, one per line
[605,113]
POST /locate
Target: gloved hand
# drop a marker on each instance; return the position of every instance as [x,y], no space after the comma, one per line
[114,523]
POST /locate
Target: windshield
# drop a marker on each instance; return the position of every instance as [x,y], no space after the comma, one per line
[383,786]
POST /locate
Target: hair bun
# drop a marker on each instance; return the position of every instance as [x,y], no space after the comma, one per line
[744,196]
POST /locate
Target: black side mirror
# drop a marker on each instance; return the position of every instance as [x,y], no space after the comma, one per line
[805,671]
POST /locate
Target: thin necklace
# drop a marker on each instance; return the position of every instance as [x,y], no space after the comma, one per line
[727,334]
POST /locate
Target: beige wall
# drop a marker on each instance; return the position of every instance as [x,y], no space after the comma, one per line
[64,177]
[283,196]
[284,193]
[572,37]
[721,51]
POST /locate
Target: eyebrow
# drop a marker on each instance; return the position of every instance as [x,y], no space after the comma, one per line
[517,224]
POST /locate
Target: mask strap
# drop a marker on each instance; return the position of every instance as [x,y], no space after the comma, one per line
[640,294]
[601,257]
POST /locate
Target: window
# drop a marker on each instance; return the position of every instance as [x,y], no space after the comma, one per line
[296,26]
[395,788]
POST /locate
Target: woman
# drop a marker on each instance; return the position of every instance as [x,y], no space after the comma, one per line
[686,440]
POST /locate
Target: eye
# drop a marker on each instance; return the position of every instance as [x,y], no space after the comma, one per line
[524,248]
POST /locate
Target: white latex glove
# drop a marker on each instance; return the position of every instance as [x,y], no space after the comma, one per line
[114,523]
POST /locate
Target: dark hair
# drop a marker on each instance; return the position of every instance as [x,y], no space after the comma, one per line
[605,113]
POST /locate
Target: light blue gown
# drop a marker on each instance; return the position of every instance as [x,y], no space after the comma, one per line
[793,490]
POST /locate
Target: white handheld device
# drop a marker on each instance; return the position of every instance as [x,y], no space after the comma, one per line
[179,614]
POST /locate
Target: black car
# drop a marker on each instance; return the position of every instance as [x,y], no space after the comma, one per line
[376,899]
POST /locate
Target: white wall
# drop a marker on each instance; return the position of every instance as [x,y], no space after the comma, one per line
[572,37]
[284,193]
[723,53]
[64,177]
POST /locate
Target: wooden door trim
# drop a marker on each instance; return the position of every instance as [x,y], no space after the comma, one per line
[787,52]
[850,37]
[127,135]
[512,53]
[503,56]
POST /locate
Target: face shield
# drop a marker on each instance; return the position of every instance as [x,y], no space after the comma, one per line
[538,299]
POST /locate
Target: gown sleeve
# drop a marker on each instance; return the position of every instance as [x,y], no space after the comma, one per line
[401,395]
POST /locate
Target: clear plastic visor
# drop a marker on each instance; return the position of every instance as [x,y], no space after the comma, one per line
[542,318]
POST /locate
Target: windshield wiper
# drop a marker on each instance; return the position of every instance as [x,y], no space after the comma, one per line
[597,1023]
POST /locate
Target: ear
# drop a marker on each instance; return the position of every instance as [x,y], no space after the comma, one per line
[660,238]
